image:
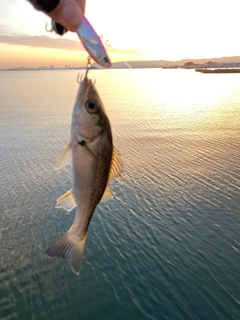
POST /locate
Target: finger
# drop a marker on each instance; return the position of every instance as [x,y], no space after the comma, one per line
[68,13]
[82,4]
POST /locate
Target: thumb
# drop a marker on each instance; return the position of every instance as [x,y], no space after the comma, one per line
[67,13]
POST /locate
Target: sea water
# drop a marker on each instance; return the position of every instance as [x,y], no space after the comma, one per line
[168,245]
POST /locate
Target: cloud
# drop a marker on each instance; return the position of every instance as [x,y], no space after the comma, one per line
[132,51]
[41,42]
[4,28]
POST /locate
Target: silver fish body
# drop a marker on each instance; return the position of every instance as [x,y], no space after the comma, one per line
[95,162]
[91,142]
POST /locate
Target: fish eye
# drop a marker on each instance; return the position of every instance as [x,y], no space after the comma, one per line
[91,106]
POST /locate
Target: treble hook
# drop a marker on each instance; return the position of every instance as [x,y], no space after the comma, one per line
[56,27]
[80,76]
[46,28]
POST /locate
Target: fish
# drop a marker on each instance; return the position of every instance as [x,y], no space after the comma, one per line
[95,164]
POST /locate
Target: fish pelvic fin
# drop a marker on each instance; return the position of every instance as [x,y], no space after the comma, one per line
[70,248]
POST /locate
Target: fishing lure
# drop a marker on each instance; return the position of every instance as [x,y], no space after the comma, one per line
[90,40]
[93,43]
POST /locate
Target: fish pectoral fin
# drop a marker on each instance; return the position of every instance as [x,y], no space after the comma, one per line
[65,158]
[116,167]
[66,201]
[70,248]
[86,149]
[108,195]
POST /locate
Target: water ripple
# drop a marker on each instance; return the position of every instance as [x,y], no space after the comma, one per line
[167,245]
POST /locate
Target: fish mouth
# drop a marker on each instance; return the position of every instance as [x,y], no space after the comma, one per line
[86,87]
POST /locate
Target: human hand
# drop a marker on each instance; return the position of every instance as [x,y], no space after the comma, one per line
[68,13]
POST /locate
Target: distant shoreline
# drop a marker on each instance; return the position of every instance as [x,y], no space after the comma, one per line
[201,69]
[214,63]
[193,64]
[42,69]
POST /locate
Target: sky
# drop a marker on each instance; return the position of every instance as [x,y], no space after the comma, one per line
[136,30]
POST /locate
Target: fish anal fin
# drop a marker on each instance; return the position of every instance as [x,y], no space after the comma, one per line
[116,167]
[66,201]
[70,248]
[108,195]
[65,158]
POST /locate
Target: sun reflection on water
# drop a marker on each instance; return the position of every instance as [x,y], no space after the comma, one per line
[175,216]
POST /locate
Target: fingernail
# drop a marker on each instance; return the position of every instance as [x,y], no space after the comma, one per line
[71,16]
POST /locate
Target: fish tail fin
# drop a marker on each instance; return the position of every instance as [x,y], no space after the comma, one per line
[70,248]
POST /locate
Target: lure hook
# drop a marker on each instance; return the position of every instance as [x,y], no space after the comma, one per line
[46,28]
[79,78]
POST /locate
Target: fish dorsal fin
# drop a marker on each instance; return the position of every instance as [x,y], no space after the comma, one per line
[116,167]
[108,195]
[65,158]
[66,201]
